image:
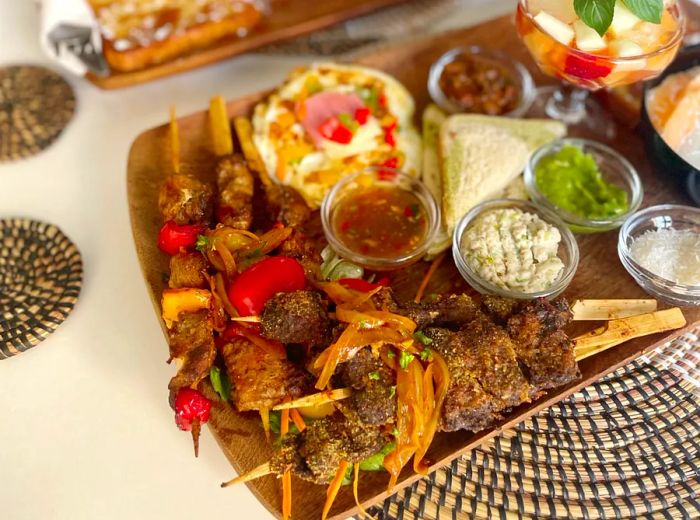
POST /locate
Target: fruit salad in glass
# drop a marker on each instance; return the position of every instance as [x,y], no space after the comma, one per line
[593,44]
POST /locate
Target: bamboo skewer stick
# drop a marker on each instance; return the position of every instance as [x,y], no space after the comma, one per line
[619,331]
[316,399]
[594,310]
[260,471]
[246,319]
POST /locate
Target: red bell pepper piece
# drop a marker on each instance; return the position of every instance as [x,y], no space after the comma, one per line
[393,162]
[333,130]
[390,134]
[362,115]
[358,284]
[191,406]
[173,237]
[586,67]
[257,284]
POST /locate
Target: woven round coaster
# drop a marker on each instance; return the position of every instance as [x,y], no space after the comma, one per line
[41,273]
[625,447]
[36,104]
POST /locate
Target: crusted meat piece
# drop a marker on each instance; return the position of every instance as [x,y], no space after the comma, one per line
[192,344]
[467,405]
[499,308]
[286,205]
[296,317]
[452,310]
[187,270]
[541,346]
[303,249]
[316,453]
[373,399]
[260,378]
[185,200]
[235,202]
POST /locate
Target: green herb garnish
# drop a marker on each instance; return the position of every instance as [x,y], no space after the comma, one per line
[390,353]
[405,359]
[598,14]
[374,376]
[220,382]
[203,243]
[392,391]
[426,354]
[422,338]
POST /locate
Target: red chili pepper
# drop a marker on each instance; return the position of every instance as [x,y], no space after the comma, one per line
[362,115]
[390,133]
[333,130]
[585,67]
[257,284]
[393,162]
[358,284]
[191,406]
[173,237]
[386,175]
[382,100]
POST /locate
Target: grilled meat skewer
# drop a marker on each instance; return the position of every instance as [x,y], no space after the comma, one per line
[185,200]
[235,196]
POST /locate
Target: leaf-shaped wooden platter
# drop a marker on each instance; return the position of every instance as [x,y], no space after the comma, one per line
[600,274]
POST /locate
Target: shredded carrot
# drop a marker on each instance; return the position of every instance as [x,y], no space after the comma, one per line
[174,140]
[298,419]
[428,275]
[286,495]
[334,487]
[284,422]
[265,417]
[355,481]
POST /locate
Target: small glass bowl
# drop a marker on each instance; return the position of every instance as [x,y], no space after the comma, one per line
[615,169]
[664,216]
[388,177]
[568,250]
[517,70]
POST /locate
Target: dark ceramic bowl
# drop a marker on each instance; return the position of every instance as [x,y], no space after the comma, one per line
[667,161]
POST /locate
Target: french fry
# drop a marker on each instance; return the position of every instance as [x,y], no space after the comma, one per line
[625,329]
[174,134]
[244,131]
[260,471]
[220,127]
[595,310]
[316,399]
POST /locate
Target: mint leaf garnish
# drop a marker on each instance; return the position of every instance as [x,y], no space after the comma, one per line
[649,10]
[597,14]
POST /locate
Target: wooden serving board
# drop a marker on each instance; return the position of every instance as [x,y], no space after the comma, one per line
[288,19]
[600,274]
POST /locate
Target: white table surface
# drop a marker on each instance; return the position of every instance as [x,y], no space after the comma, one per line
[85,428]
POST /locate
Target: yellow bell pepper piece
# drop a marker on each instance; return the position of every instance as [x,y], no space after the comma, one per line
[176,301]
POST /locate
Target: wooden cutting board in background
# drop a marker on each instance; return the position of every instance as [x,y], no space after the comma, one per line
[287,19]
[600,274]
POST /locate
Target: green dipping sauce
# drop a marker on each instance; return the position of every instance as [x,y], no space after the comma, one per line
[571,180]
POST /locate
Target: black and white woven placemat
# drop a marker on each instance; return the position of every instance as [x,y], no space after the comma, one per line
[41,274]
[624,447]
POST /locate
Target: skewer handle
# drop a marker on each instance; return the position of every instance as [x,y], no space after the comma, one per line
[595,310]
[260,471]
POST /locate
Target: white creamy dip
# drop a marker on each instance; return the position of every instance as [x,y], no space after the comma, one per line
[513,249]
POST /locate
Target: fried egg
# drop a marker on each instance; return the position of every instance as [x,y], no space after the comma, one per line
[330,120]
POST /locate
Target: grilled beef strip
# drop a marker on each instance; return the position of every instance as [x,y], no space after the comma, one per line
[187,270]
[235,196]
[191,342]
[185,200]
[260,378]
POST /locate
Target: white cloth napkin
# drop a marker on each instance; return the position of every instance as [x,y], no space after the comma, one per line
[70,36]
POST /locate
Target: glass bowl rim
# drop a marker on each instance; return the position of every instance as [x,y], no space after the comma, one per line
[629,263]
[568,240]
[528,90]
[630,173]
[425,196]
[677,38]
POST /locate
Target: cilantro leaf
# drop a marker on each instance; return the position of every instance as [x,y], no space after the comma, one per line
[220,382]
[426,354]
[422,338]
[374,376]
[405,359]
[203,243]
[649,10]
[597,14]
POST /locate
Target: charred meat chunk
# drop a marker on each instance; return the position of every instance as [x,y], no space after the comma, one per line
[235,202]
[315,454]
[467,405]
[542,347]
[295,317]
[286,205]
[305,251]
[187,270]
[185,200]
[373,399]
[262,378]
[445,311]
[192,343]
